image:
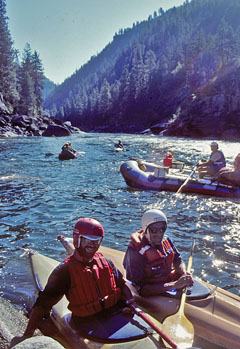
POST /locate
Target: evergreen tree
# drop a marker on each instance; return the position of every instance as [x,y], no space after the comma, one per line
[105,97]
[226,42]
[8,80]
[38,80]
[27,103]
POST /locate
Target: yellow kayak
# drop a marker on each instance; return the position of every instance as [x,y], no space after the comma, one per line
[215,317]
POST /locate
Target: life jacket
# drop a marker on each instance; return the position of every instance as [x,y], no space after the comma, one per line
[220,162]
[92,288]
[159,267]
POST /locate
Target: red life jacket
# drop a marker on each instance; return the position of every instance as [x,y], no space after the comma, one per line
[92,289]
[159,267]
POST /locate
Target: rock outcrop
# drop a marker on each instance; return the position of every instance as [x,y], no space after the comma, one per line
[25,125]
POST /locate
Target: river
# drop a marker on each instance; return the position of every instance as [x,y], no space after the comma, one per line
[42,197]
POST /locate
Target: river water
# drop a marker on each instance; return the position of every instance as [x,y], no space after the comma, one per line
[42,197]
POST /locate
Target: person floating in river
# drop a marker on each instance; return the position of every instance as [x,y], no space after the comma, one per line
[214,164]
[90,282]
[152,262]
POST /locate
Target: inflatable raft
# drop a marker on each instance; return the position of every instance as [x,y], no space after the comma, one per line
[215,315]
[67,155]
[160,178]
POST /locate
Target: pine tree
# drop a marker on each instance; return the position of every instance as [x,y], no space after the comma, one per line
[8,80]
[226,42]
[105,97]
[38,80]
[27,103]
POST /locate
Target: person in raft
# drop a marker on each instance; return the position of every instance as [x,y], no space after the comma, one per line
[152,262]
[86,269]
[230,176]
[214,164]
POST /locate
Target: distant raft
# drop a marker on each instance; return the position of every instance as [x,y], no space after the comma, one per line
[67,155]
[161,178]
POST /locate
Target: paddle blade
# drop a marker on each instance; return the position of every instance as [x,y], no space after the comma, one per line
[179,329]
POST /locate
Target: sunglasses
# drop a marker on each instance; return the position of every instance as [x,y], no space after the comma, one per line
[158,230]
[93,240]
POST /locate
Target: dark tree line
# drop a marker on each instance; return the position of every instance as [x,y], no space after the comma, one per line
[145,72]
[21,83]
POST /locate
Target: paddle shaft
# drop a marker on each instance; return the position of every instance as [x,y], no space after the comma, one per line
[187,180]
[189,266]
[156,328]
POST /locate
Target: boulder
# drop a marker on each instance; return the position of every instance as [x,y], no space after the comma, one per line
[21,121]
[231,135]
[56,130]
[38,342]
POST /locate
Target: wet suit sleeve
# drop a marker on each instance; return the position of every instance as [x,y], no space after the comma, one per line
[135,265]
[117,274]
[57,285]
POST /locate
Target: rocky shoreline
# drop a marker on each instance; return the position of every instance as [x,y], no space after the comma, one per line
[13,323]
[14,125]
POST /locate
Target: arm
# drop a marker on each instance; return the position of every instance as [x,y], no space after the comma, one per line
[135,265]
[183,279]
[156,289]
[56,286]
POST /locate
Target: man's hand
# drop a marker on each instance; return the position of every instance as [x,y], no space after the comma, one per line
[16,340]
[185,280]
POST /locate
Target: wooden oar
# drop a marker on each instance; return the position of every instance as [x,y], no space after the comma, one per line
[177,326]
[187,180]
[140,313]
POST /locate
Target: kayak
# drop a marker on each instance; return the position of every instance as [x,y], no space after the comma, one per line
[67,155]
[214,312]
[163,178]
[108,329]
[118,149]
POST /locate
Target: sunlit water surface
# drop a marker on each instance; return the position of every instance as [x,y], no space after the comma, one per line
[42,197]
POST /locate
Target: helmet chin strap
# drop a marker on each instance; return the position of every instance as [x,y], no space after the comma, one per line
[147,235]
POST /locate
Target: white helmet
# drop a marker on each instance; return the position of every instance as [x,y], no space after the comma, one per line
[152,216]
[214,144]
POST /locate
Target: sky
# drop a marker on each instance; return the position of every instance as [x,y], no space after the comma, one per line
[67,33]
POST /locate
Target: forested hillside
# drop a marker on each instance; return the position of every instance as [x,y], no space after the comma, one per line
[21,82]
[166,69]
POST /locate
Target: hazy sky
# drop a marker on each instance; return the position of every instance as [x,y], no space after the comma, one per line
[66,33]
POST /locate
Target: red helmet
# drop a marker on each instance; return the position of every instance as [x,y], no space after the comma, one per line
[89,228]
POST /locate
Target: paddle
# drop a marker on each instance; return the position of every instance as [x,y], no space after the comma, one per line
[155,327]
[178,326]
[188,179]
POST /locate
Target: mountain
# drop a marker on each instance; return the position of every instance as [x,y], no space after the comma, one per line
[179,68]
[48,87]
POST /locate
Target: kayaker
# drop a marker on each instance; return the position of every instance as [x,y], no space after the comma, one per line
[68,147]
[90,282]
[230,176]
[119,144]
[152,262]
[65,147]
[214,164]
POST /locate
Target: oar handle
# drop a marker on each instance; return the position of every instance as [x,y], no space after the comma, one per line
[155,327]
